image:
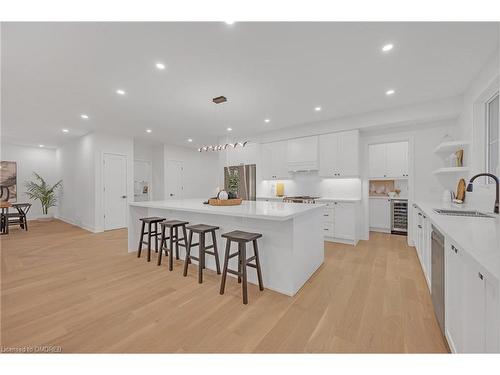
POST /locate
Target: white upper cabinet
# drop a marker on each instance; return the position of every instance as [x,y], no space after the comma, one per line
[388,160]
[397,159]
[377,156]
[339,154]
[274,161]
[302,154]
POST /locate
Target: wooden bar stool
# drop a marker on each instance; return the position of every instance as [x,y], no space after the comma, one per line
[151,221]
[201,230]
[173,236]
[241,238]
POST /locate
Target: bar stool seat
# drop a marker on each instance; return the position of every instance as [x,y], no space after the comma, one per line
[201,230]
[173,226]
[241,238]
[152,223]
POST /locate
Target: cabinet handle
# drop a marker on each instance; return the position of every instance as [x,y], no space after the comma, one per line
[480,275]
[425,217]
[334,202]
[326,215]
[419,226]
[419,214]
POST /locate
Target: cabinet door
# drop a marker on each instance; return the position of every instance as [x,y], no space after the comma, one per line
[492,318]
[454,297]
[348,153]
[328,151]
[267,161]
[474,327]
[279,160]
[377,160]
[397,159]
[344,220]
[302,150]
[380,214]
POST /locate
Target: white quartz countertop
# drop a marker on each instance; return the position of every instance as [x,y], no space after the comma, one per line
[321,199]
[479,237]
[252,209]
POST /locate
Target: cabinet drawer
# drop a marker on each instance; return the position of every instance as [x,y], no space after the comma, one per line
[328,215]
[328,229]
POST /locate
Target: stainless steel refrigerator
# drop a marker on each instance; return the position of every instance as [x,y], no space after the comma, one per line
[246,185]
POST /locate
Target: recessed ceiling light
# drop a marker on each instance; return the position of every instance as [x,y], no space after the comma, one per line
[41,145]
[65,131]
[229,129]
[148,130]
[160,66]
[389,92]
[229,22]
[387,47]
[190,140]
[267,120]
[84,116]
[120,92]
[317,109]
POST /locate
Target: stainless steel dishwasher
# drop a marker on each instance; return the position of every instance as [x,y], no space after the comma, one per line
[437,274]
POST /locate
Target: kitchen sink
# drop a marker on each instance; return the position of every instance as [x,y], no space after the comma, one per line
[461,213]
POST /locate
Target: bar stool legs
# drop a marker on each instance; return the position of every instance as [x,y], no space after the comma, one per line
[201,230]
[152,232]
[173,238]
[139,249]
[243,262]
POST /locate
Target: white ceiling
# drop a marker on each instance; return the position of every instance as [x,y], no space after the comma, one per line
[53,72]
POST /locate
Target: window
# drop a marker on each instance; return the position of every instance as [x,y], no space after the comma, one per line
[492,144]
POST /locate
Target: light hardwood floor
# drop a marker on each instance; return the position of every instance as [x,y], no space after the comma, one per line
[64,286]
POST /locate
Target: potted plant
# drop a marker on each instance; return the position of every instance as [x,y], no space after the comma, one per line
[40,190]
[232,184]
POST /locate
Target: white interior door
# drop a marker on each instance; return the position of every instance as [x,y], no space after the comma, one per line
[115,191]
[174,179]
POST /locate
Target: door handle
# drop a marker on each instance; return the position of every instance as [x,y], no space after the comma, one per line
[171,194]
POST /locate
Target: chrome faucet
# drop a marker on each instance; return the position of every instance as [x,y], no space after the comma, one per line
[469,186]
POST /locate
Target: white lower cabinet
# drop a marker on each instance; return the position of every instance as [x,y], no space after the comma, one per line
[380,214]
[471,304]
[472,309]
[339,222]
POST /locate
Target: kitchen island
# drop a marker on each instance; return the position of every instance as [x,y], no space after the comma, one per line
[291,248]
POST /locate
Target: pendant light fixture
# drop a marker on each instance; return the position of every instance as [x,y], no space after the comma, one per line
[219,100]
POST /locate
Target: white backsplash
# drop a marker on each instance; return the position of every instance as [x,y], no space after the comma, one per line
[311,184]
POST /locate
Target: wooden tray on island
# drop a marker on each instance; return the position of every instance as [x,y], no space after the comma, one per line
[225,202]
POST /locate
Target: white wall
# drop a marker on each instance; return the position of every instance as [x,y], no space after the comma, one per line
[200,175]
[76,167]
[29,160]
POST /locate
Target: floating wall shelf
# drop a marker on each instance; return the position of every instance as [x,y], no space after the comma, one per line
[451,170]
[450,146]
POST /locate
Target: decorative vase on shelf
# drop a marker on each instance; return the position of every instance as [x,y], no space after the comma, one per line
[222,195]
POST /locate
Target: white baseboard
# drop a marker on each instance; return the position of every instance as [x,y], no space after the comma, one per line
[80,225]
[341,240]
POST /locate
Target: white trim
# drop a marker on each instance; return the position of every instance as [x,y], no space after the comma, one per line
[487,142]
[72,222]
[478,125]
